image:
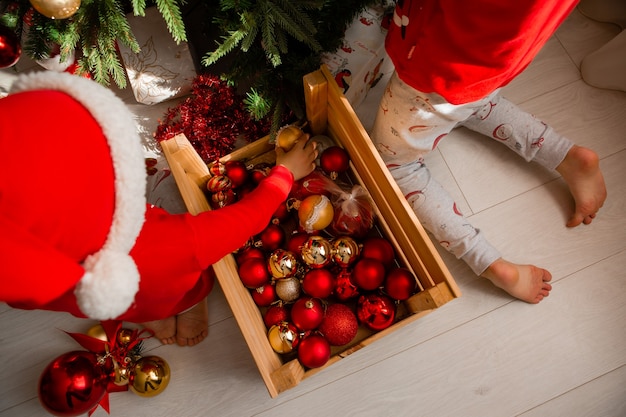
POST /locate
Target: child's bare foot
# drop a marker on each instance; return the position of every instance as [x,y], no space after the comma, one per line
[526,282]
[581,171]
[164,330]
[192,326]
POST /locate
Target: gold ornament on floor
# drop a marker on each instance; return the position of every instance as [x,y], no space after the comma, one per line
[149,376]
[56,9]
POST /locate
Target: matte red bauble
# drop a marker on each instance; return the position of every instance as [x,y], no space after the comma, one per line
[318,283]
[275,314]
[340,325]
[307,313]
[237,172]
[253,272]
[314,351]
[281,214]
[400,283]
[344,287]
[265,295]
[10,48]
[380,249]
[376,311]
[272,237]
[334,161]
[368,274]
[72,384]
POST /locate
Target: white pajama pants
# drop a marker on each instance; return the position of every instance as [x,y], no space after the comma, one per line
[409,124]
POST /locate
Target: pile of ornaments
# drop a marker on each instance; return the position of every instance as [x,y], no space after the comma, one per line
[320,271]
[79,381]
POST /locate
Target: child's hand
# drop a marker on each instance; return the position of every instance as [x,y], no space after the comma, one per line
[300,160]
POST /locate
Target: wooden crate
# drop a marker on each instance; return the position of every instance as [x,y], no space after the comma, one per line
[328,112]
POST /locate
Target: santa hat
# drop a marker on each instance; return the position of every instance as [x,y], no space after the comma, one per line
[72,196]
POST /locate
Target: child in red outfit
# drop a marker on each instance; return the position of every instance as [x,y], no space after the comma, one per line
[77,234]
[450,60]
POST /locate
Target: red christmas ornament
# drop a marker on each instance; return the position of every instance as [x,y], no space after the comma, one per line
[313,351]
[400,283]
[281,214]
[380,249]
[368,274]
[340,325]
[72,384]
[237,172]
[376,311]
[222,198]
[307,313]
[295,243]
[344,287]
[260,172]
[334,161]
[10,48]
[318,283]
[272,237]
[253,273]
[314,183]
[218,183]
[217,168]
[275,314]
[247,253]
[264,295]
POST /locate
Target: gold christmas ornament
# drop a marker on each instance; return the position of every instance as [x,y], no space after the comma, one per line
[56,9]
[316,252]
[345,251]
[282,264]
[287,136]
[315,212]
[149,376]
[283,337]
[288,289]
[121,374]
[97,332]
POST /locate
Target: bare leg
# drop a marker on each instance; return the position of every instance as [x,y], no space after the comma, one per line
[164,330]
[581,171]
[192,326]
[526,282]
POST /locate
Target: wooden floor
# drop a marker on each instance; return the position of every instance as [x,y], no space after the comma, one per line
[481,355]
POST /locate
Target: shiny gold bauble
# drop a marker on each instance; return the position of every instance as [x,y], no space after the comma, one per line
[316,252]
[124,336]
[97,332]
[345,251]
[149,376]
[287,136]
[283,337]
[282,264]
[121,374]
[315,212]
[56,9]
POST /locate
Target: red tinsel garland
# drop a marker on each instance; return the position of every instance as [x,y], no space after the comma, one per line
[212,118]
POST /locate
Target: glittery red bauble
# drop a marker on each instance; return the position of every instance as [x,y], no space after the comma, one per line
[247,253]
[10,48]
[380,249]
[253,272]
[344,287]
[368,274]
[275,314]
[307,313]
[376,311]
[318,283]
[400,283]
[237,172]
[72,384]
[340,325]
[272,237]
[313,351]
[334,161]
[264,295]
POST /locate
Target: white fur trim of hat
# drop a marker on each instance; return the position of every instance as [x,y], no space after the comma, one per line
[111,279]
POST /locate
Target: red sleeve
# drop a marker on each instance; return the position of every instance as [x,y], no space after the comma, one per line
[184,242]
